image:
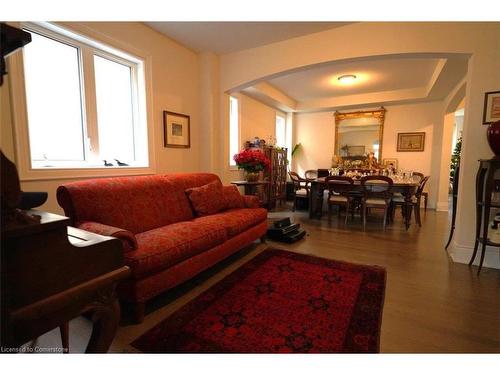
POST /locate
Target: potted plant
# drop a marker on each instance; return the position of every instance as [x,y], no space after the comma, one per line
[252,162]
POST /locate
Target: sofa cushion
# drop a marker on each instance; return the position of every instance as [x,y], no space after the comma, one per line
[232,197]
[207,199]
[190,180]
[137,203]
[235,221]
[163,247]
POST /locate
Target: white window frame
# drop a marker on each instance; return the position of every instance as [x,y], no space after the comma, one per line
[232,164]
[90,44]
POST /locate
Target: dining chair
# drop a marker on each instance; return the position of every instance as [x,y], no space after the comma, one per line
[424,193]
[311,174]
[301,188]
[339,188]
[377,193]
[416,201]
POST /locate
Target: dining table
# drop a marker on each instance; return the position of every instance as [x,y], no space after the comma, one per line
[406,186]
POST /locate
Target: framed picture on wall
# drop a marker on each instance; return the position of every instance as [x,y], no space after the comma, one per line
[176,131]
[491,111]
[411,141]
[390,163]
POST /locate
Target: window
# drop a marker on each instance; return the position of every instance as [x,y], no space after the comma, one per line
[85,102]
[234,129]
[53,94]
[280,131]
[284,133]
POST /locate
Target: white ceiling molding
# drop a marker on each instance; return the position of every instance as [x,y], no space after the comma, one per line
[271,96]
[398,81]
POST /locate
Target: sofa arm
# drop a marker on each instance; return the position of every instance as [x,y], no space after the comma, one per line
[126,237]
[251,201]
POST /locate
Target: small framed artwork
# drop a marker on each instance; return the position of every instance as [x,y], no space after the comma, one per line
[491,111]
[390,163]
[176,131]
[411,141]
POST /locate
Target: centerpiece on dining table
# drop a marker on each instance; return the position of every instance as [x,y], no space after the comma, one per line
[252,162]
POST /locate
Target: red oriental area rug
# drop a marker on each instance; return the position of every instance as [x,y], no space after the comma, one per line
[279,302]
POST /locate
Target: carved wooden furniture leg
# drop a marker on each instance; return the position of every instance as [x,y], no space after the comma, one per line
[417,213]
[64,329]
[453,218]
[425,195]
[319,204]
[105,318]
[408,205]
[138,311]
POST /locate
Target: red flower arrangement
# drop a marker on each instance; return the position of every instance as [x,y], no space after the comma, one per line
[252,161]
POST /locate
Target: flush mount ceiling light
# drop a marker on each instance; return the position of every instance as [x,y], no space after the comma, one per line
[347,78]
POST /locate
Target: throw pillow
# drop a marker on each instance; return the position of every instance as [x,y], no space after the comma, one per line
[233,197]
[207,199]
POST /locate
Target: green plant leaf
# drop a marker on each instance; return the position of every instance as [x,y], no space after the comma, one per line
[296,148]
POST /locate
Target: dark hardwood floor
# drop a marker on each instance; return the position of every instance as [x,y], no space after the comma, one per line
[431,305]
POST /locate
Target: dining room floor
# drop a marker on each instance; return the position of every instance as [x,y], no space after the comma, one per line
[432,304]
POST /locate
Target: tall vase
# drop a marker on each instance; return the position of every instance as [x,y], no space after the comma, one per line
[252,176]
[493,135]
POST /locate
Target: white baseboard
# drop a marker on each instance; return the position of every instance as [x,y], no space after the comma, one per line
[442,206]
[462,254]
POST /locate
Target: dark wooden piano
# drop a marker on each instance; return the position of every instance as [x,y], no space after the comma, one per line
[52,273]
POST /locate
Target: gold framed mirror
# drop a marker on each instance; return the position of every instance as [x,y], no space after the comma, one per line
[359,133]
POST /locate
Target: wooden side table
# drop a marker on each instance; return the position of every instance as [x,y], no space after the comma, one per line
[250,186]
[485,183]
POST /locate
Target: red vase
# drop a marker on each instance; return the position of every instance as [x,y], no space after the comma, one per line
[493,135]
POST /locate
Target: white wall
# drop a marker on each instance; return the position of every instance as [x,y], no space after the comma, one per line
[316,132]
[256,119]
[175,86]
[444,186]
[209,109]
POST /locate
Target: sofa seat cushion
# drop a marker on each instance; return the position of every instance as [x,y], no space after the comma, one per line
[163,247]
[237,220]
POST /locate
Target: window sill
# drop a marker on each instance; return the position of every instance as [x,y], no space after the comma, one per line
[41,174]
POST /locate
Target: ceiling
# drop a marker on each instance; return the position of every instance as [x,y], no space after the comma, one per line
[385,80]
[382,81]
[227,37]
[372,76]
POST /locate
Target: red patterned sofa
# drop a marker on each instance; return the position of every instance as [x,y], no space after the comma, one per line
[165,242]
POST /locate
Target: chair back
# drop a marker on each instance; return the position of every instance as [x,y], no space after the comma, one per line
[421,187]
[377,187]
[323,172]
[420,175]
[311,174]
[298,182]
[339,185]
